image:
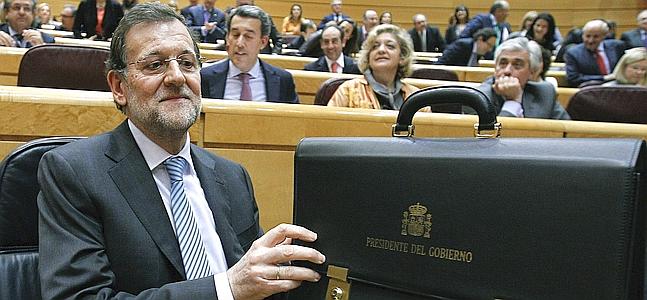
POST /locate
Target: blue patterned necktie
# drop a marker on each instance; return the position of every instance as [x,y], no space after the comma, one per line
[194,256]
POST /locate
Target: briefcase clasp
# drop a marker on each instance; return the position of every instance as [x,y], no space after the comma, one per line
[495,133]
[401,133]
[338,286]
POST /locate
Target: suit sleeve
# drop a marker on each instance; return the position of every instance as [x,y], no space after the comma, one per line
[471,27]
[574,75]
[73,263]
[290,91]
[440,41]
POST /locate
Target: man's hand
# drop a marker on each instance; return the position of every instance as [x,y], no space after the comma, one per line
[260,272]
[508,87]
[6,40]
[209,25]
[33,36]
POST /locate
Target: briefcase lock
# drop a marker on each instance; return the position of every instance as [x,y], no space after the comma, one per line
[338,286]
[495,133]
[401,133]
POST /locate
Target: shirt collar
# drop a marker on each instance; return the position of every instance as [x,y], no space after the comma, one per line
[340,60]
[255,72]
[601,46]
[153,154]
[494,22]
[11,31]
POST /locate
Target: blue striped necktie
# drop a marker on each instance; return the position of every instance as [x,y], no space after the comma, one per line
[194,256]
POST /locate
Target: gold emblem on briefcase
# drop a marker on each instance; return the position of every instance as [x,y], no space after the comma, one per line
[416,221]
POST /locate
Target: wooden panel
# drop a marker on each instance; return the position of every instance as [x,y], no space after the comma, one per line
[7,147]
[272,175]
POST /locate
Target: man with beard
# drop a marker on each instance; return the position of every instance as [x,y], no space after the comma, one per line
[140,212]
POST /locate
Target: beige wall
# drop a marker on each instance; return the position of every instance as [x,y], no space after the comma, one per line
[567,13]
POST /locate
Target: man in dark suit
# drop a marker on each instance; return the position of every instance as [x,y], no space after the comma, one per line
[468,51]
[370,19]
[335,17]
[425,38]
[595,58]
[243,75]
[637,37]
[510,90]
[140,211]
[207,22]
[496,19]
[185,10]
[333,59]
[17,31]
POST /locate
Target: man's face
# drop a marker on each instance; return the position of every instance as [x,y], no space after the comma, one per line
[20,15]
[592,37]
[500,14]
[67,18]
[158,100]
[244,42]
[483,47]
[336,7]
[208,4]
[420,22]
[513,64]
[331,43]
[642,20]
[371,19]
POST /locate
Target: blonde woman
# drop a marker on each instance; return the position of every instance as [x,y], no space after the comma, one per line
[385,59]
[631,69]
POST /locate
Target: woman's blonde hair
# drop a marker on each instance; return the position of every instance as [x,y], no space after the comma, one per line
[631,56]
[401,36]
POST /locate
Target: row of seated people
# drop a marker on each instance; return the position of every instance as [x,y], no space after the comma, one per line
[378,91]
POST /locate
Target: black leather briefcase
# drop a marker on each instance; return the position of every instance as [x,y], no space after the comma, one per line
[490,218]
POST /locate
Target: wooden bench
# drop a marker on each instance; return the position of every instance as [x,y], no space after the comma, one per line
[261,136]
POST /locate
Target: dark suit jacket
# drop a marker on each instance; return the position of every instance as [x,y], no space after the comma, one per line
[46,37]
[478,22]
[539,100]
[331,17]
[457,53]
[104,231]
[185,11]
[320,65]
[450,34]
[195,20]
[435,41]
[279,85]
[86,19]
[632,38]
[581,65]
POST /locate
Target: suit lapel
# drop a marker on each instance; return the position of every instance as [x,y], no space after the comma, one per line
[215,192]
[135,182]
[217,83]
[271,80]
[322,64]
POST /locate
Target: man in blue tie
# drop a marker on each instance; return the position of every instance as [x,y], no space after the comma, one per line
[17,31]
[140,212]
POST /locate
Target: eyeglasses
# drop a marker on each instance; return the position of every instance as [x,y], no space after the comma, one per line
[18,7]
[155,65]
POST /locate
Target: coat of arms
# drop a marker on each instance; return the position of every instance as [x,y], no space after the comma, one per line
[416,221]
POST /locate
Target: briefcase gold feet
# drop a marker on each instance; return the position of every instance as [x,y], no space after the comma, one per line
[338,286]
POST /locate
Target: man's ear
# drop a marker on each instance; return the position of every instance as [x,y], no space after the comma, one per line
[118,87]
[264,40]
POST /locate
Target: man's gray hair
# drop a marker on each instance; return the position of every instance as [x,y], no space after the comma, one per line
[7,4]
[499,4]
[596,24]
[251,11]
[522,44]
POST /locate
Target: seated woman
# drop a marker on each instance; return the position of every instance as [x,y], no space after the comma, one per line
[542,31]
[631,69]
[98,19]
[457,22]
[44,17]
[526,24]
[292,23]
[385,59]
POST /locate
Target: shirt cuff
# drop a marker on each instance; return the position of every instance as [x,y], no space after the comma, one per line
[223,290]
[513,107]
[203,30]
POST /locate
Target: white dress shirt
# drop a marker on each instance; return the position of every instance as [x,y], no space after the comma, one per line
[339,61]
[256,83]
[155,157]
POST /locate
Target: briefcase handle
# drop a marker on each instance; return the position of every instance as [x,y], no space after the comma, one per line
[452,94]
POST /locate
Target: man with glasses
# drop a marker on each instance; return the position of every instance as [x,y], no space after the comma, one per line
[510,90]
[243,76]
[140,211]
[17,31]
[67,17]
[468,51]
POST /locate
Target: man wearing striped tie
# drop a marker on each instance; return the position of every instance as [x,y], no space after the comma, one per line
[141,213]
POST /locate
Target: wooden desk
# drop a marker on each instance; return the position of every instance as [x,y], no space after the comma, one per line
[261,136]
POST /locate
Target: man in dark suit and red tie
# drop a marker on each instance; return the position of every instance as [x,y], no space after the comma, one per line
[333,60]
[595,58]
